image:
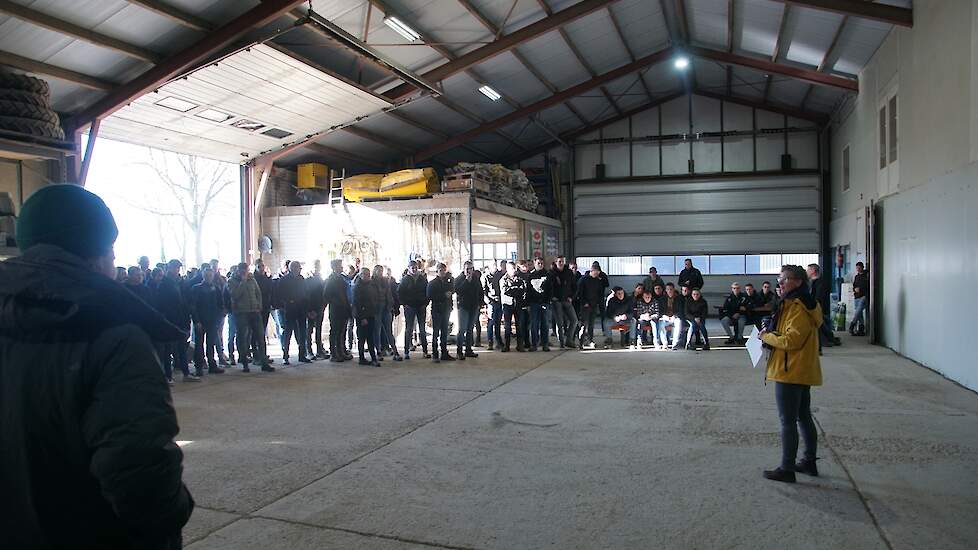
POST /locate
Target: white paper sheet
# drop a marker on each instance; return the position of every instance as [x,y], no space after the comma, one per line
[755,348]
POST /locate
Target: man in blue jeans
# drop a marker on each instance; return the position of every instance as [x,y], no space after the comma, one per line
[412,293]
[493,297]
[860,291]
[468,289]
[539,291]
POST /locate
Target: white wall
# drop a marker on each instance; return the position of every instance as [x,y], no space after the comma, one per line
[928,242]
[641,158]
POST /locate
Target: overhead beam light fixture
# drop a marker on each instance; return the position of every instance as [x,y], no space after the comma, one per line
[487,233]
[681,62]
[490,93]
[401,28]
[487,226]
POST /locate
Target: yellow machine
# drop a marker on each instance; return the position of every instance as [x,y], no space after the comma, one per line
[404,183]
[313,176]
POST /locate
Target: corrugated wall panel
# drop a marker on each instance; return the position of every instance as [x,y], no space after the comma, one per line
[749,215]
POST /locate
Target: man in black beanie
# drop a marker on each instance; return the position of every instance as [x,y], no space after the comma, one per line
[87,456]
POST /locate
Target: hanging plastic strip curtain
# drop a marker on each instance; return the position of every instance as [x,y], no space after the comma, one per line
[436,238]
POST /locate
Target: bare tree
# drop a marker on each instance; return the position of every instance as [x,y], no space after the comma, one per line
[192,189]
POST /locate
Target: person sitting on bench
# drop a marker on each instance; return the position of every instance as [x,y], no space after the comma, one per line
[619,312]
[696,312]
[733,315]
[647,312]
[672,314]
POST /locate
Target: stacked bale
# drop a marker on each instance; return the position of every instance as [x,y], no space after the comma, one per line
[25,107]
[509,187]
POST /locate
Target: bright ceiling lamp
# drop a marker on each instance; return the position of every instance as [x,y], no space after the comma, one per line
[490,93]
[487,233]
[487,226]
[400,28]
[681,62]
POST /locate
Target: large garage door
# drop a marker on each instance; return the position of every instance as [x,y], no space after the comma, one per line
[754,215]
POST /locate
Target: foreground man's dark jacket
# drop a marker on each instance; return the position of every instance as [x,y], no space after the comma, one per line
[87,455]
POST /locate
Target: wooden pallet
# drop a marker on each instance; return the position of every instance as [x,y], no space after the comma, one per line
[465,181]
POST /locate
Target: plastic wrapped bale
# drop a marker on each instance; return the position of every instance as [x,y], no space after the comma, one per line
[357,188]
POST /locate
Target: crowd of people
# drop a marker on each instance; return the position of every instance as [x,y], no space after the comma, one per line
[525,300]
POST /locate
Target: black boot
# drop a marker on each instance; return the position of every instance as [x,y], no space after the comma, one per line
[778,474]
[807,467]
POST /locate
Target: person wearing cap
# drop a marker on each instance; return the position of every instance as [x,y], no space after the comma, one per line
[87,458]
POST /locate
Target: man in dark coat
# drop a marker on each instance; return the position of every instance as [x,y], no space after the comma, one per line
[267,286]
[87,458]
[690,276]
[206,310]
[468,290]
[293,295]
[365,300]
[821,289]
[317,312]
[439,293]
[565,290]
[337,299]
[172,300]
[412,294]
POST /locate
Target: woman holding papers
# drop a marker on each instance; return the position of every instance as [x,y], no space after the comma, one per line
[794,367]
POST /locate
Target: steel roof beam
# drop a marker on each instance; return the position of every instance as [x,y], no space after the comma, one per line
[777,39]
[547,102]
[175,14]
[504,44]
[328,151]
[763,65]
[628,49]
[37,67]
[782,110]
[425,128]
[824,63]
[569,136]
[258,16]
[860,8]
[70,29]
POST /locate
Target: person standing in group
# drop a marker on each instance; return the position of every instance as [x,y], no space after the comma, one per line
[653,279]
[365,299]
[439,293]
[293,294]
[385,301]
[690,276]
[171,301]
[338,301]
[136,284]
[493,299]
[590,291]
[793,366]
[351,276]
[267,287]
[512,290]
[539,292]
[87,451]
[468,289]
[246,309]
[860,291]
[412,292]
[206,310]
[565,288]
[317,312]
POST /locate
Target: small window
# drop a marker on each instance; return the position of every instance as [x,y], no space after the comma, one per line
[727,265]
[845,168]
[893,128]
[799,259]
[176,104]
[477,252]
[882,137]
[501,251]
[584,262]
[249,125]
[276,133]
[624,265]
[214,115]
[664,265]
[763,264]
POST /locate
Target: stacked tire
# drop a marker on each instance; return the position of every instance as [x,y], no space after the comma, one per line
[25,107]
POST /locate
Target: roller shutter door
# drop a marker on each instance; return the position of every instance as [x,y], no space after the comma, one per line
[755,215]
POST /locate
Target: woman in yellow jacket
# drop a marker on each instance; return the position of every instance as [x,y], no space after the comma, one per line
[794,367]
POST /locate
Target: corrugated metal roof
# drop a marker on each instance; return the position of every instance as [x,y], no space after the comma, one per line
[259,84]
[807,35]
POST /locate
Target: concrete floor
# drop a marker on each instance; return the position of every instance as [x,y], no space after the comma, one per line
[601,449]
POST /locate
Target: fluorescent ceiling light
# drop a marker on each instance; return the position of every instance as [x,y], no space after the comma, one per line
[490,93]
[214,115]
[176,104]
[681,62]
[487,226]
[400,28]
[487,233]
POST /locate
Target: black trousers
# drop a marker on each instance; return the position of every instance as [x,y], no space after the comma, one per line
[365,336]
[314,332]
[337,332]
[206,338]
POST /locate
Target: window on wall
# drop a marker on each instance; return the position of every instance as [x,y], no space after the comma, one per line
[845,168]
[664,265]
[882,137]
[720,264]
[892,107]
[490,253]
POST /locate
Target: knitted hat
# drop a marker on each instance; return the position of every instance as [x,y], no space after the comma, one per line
[67,216]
